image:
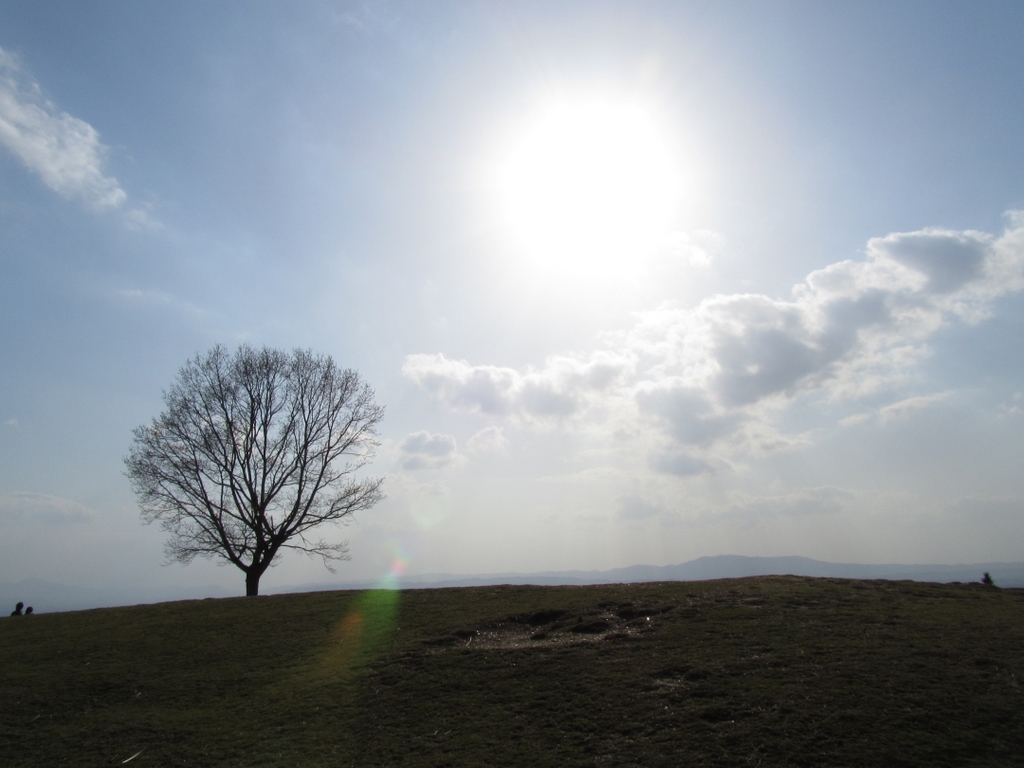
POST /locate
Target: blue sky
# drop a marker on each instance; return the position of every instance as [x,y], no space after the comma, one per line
[796,329]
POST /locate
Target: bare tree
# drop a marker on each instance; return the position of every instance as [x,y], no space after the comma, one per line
[254,451]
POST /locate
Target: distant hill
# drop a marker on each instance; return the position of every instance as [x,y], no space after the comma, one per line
[704,568]
[47,596]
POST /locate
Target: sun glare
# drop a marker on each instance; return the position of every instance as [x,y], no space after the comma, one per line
[589,184]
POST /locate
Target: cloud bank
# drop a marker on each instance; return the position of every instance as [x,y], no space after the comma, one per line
[38,508]
[705,384]
[562,388]
[423,450]
[63,151]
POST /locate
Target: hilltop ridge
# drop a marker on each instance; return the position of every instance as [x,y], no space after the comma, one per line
[48,596]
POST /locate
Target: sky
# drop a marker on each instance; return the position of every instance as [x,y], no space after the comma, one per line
[636,282]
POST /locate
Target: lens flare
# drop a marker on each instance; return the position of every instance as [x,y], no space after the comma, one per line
[367,628]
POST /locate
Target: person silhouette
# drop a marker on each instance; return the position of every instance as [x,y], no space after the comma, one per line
[17,609]
[28,611]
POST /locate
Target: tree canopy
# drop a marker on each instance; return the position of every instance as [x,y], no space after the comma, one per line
[253,452]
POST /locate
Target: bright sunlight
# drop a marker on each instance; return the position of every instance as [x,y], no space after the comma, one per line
[589,185]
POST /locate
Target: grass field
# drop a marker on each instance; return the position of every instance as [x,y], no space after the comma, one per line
[768,671]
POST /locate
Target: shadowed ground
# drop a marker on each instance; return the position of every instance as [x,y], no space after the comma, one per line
[760,671]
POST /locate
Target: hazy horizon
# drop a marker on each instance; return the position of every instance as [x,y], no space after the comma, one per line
[635,283]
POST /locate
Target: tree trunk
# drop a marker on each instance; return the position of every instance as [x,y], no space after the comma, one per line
[252,582]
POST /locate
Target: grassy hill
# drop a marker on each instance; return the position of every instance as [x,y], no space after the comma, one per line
[766,671]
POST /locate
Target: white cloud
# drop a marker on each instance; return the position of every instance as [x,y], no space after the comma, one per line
[65,152]
[697,249]
[487,440]
[1010,409]
[712,379]
[904,408]
[29,508]
[423,450]
[676,462]
[559,390]
[947,259]
[360,17]
[855,419]
[896,411]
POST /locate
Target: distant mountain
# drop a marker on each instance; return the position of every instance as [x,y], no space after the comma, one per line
[48,597]
[703,568]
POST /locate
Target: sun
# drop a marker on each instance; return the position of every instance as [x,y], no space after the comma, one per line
[588,184]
